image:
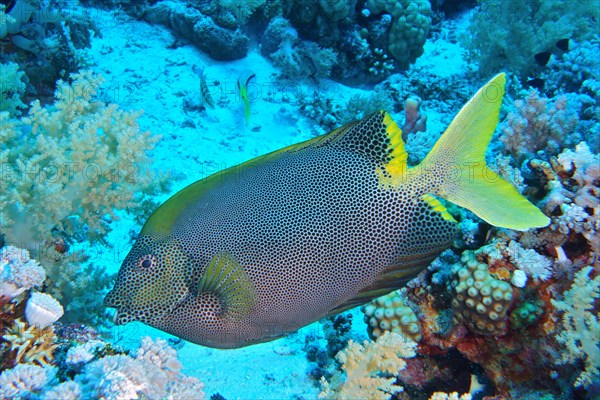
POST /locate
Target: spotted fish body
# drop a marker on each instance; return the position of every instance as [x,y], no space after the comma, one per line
[260,250]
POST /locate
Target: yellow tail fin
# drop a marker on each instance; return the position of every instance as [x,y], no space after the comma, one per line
[458,163]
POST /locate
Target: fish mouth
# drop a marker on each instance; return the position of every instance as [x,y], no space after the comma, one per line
[121,317]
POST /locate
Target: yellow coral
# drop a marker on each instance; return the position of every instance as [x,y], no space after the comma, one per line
[30,344]
[69,166]
[370,368]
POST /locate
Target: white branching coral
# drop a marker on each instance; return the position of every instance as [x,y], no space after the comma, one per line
[18,272]
[83,353]
[535,265]
[153,374]
[69,165]
[22,380]
[160,354]
[370,368]
[581,328]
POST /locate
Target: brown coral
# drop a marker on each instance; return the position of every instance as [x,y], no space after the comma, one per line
[29,344]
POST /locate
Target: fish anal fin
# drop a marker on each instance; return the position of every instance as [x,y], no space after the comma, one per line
[227,280]
[393,277]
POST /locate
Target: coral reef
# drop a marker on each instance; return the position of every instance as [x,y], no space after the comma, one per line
[12,88]
[23,380]
[478,298]
[67,171]
[337,333]
[49,39]
[390,313]
[293,57]
[571,197]
[18,272]
[80,161]
[506,35]
[154,373]
[409,28]
[370,368]
[541,124]
[214,32]
[581,327]
[29,344]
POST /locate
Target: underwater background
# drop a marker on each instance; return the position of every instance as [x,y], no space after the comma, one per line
[108,108]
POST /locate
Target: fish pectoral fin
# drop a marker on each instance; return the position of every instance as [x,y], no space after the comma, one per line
[226,279]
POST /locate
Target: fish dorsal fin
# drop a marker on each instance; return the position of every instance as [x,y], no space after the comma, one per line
[377,137]
[226,279]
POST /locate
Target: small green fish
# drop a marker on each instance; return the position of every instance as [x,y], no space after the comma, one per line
[260,250]
[243,89]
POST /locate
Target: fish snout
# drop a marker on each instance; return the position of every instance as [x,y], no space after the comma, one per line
[122,317]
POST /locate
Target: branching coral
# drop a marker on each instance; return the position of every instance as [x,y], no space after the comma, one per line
[67,171]
[71,165]
[506,34]
[11,88]
[29,344]
[539,123]
[23,380]
[572,198]
[581,327]
[370,368]
[154,373]
[18,272]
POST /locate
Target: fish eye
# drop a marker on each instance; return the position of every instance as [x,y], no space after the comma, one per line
[146,262]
